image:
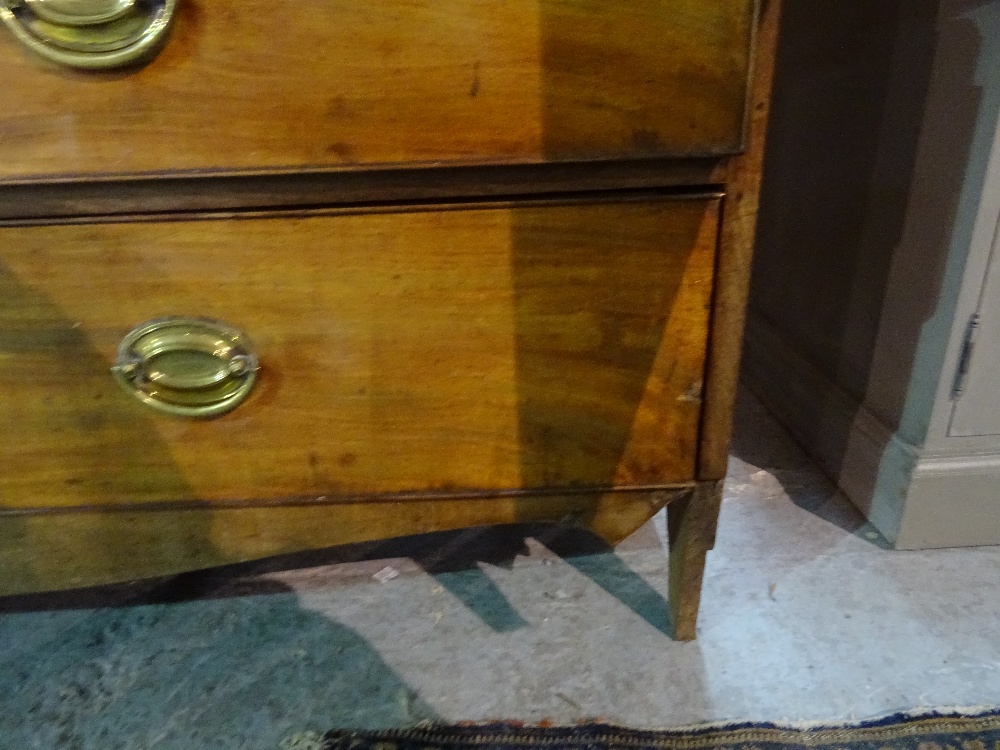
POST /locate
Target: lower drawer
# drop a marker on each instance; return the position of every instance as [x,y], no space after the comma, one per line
[466,349]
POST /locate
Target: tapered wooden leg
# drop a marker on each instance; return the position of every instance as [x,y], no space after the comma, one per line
[691,524]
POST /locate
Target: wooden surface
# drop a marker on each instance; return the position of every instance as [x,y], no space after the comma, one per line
[28,202]
[691,525]
[692,521]
[427,368]
[735,255]
[547,345]
[255,84]
[49,551]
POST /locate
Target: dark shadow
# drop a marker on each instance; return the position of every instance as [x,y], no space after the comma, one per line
[653,78]
[70,436]
[205,669]
[595,559]
[596,286]
[761,442]
[453,563]
[872,140]
[825,240]
[452,557]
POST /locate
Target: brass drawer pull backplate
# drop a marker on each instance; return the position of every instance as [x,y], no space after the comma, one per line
[90,34]
[189,367]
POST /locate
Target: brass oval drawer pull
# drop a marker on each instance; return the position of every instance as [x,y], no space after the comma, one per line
[90,34]
[189,367]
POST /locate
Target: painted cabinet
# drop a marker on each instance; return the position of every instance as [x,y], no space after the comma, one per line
[977,386]
[877,245]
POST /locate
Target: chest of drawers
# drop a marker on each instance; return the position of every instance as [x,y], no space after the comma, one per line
[279,276]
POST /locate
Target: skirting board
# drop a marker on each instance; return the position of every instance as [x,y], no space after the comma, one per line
[914,500]
[953,502]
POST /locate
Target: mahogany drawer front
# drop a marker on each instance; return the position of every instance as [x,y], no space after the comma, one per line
[255,85]
[462,349]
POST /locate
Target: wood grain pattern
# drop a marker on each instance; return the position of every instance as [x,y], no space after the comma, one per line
[50,551]
[28,202]
[551,345]
[692,521]
[691,526]
[251,84]
[739,227]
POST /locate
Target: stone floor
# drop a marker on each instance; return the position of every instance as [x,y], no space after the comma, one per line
[806,616]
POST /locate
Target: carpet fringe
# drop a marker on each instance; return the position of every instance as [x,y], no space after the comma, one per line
[891,717]
[900,726]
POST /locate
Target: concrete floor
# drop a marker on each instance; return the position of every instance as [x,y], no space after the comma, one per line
[806,616]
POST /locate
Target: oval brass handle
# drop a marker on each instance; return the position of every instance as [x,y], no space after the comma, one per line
[90,34]
[189,367]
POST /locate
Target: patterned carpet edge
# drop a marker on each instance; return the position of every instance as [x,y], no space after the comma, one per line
[942,728]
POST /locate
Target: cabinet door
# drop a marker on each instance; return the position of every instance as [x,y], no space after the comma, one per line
[977,409]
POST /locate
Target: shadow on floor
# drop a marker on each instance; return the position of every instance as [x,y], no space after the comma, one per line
[178,668]
[758,440]
[452,558]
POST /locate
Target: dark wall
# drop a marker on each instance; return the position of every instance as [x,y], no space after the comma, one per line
[874,111]
[821,266]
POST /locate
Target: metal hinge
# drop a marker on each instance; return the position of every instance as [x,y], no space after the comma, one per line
[965,357]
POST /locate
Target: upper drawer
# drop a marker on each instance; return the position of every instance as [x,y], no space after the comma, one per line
[255,85]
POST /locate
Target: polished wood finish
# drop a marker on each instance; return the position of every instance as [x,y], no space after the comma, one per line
[474,348]
[481,246]
[739,229]
[251,84]
[691,526]
[51,551]
[692,521]
[37,202]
